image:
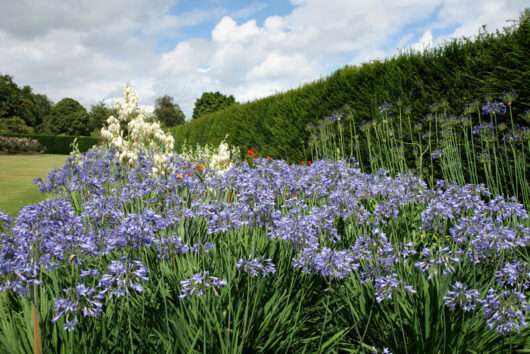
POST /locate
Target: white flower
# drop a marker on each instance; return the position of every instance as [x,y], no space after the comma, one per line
[142,135]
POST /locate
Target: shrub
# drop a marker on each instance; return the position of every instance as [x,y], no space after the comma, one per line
[14,145]
[60,144]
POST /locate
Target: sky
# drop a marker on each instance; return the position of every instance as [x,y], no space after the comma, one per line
[87,49]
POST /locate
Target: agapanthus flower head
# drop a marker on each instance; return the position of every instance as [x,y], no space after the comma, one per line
[437,153]
[80,298]
[330,264]
[123,276]
[493,108]
[505,311]
[385,108]
[459,295]
[472,107]
[389,285]
[443,104]
[5,221]
[434,107]
[256,266]
[438,261]
[508,97]
[200,283]
[515,275]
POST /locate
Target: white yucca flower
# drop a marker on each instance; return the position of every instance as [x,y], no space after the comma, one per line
[142,135]
[217,158]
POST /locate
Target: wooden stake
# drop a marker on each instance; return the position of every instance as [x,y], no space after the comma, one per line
[36,331]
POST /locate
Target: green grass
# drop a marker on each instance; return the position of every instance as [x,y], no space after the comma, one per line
[16,179]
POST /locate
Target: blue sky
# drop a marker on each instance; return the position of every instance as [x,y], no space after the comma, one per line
[239,10]
[87,49]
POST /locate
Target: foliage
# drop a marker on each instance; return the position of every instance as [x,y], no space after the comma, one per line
[14,125]
[167,112]
[98,115]
[460,71]
[22,102]
[14,145]
[211,102]
[68,117]
[268,258]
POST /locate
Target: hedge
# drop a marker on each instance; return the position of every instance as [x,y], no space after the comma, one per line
[461,71]
[59,144]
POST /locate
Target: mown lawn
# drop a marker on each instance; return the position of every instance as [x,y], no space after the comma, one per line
[16,179]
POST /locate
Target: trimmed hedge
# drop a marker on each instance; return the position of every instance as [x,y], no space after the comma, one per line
[59,144]
[460,72]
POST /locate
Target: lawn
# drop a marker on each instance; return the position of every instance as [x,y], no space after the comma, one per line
[16,179]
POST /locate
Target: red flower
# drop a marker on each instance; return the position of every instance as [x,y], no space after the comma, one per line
[252,153]
[309,162]
[199,167]
[303,162]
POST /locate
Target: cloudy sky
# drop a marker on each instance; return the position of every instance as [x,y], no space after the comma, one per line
[87,49]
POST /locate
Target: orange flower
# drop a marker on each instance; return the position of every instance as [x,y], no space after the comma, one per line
[309,162]
[199,167]
[252,153]
[268,157]
[303,162]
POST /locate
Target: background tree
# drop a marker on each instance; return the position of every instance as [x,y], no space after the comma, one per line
[14,125]
[23,104]
[9,95]
[167,112]
[98,115]
[211,102]
[68,117]
[42,106]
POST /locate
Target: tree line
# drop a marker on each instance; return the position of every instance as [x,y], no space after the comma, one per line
[24,112]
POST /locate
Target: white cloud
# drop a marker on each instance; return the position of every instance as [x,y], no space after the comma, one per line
[425,42]
[86,49]
[228,31]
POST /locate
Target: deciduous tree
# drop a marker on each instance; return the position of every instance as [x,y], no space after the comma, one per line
[167,112]
[68,117]
[211,102]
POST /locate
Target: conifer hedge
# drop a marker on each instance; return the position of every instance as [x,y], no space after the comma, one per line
[461,71]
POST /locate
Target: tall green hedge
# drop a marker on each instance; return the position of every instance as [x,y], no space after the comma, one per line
[460,72]
[60,144]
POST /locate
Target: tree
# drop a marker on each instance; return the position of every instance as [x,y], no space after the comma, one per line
[22,103]
[42,105]
[68,117]
[167,112]
[211,102]
[98,115]
[14,125]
